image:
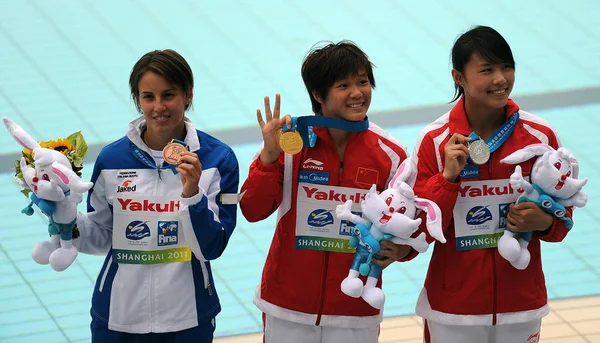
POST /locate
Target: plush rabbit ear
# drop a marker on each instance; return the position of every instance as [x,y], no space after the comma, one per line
[574,168]
[434,218]
[70,179]
[20,136]
[28,174]
[527,153]
[405,173]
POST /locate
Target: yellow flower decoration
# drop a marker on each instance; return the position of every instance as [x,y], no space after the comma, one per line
[60,144]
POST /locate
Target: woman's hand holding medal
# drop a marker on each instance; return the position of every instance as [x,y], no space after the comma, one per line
[188,166]
[190,170]
[456,154]
[271,132]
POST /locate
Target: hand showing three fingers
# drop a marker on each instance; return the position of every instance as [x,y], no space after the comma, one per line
[270,128]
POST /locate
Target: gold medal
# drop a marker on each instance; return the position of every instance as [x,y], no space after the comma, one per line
[172,152]
[291,142]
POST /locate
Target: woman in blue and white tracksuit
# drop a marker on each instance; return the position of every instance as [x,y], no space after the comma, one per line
[159,224]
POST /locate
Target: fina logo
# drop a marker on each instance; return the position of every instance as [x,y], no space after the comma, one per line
[478,215]
[503,209]
[320,218]
[167,232]
[137,230]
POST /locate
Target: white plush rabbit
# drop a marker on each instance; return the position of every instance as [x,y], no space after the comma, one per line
[56,191]
[389,215]
[554,186]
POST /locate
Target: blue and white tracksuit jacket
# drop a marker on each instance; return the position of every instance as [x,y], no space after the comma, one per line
[138,298]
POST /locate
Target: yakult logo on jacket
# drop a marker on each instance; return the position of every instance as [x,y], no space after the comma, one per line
[330,195]
[148,206]
[486,190]
[126,186]
[312,164]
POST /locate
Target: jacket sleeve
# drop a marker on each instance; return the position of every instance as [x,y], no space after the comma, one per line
[558,231]
[208,220]
[262,191]
[431,184]
[95,227]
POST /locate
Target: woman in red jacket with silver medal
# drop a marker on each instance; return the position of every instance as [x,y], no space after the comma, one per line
[471,293]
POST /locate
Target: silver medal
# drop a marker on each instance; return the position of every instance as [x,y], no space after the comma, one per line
[479,152]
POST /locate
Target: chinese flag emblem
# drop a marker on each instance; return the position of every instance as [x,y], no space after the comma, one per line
[367,176]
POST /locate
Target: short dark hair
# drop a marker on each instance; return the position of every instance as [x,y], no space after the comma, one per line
[166,63]
[323,66]
[485,41]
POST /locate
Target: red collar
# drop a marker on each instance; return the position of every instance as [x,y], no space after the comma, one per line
[458,117]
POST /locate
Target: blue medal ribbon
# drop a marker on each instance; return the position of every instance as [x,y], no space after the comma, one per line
[471,170]
[143,157]
[304,125]
[501,135]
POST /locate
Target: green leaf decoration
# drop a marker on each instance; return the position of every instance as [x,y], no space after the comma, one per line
[79,145]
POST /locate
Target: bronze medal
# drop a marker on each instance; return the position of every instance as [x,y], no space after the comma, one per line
[291,142]
[172,153]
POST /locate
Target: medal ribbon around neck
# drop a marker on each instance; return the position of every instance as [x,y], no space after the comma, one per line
[500,136]
[142,156]
[304,127]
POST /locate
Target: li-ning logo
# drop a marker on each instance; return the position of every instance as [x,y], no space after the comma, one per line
[320,218]
[478,215]
[137,230]
[126,187]
[312,164]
